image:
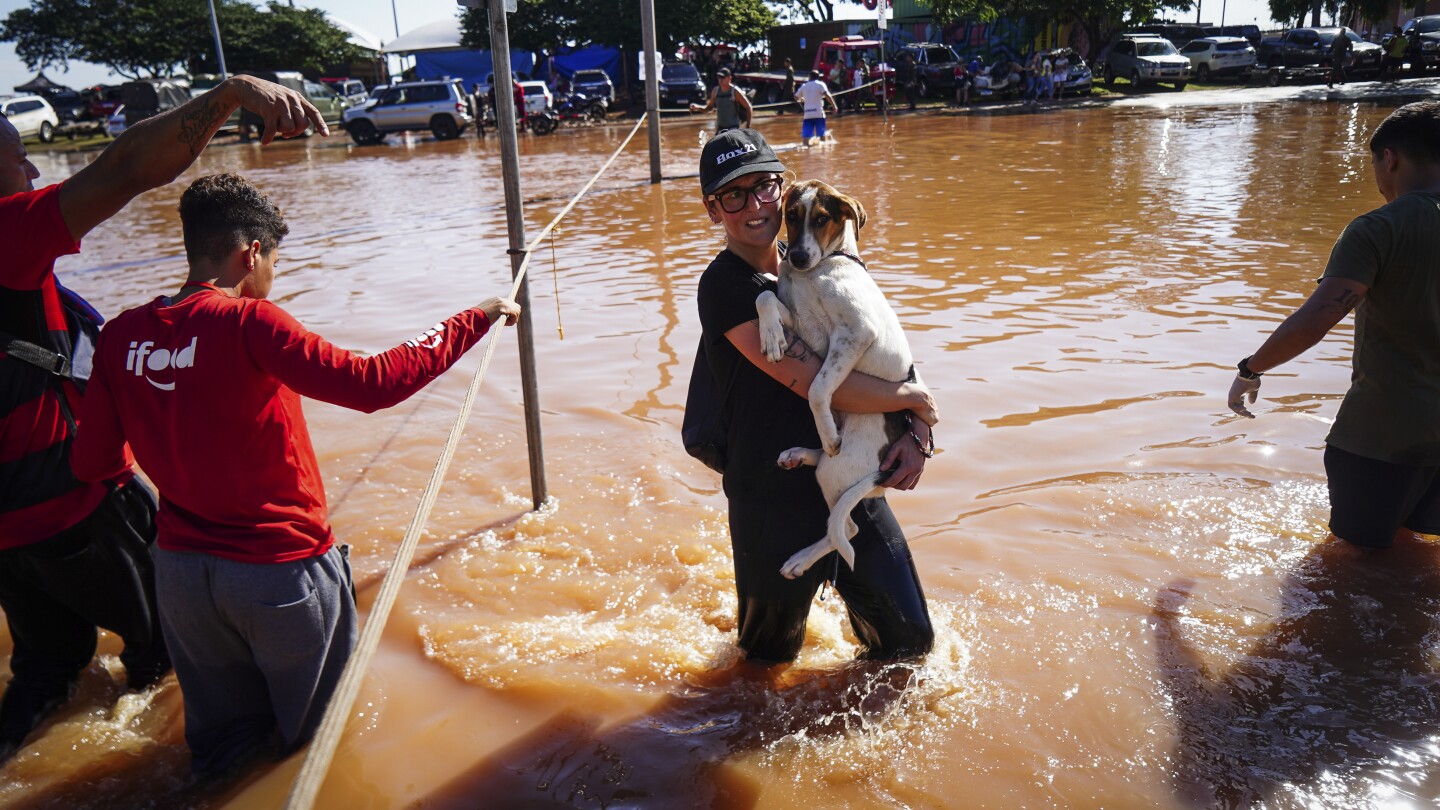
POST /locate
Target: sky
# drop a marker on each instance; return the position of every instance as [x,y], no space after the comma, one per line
[379,17]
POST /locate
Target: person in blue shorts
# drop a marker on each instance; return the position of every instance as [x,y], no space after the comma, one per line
[812,96]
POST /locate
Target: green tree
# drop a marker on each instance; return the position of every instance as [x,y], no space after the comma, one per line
[546,25]
[1100,19]
[156,37]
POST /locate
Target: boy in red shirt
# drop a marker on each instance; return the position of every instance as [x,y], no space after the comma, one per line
[256,601]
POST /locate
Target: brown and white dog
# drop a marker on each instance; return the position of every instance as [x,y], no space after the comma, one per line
[828,299]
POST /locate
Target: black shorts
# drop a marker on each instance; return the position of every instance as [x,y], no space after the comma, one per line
[1371,500]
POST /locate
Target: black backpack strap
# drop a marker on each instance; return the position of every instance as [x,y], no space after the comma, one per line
[23,350]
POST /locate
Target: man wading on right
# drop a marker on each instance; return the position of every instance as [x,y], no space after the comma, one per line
[1382,457]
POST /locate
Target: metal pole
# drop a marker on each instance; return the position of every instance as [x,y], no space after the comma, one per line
[515,216]
[652,83]
[219,51]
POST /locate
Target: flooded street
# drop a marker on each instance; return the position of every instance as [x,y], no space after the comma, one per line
[1133,602]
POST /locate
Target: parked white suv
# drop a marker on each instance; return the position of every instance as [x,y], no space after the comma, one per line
[440,106]
[1219,56]
[32,115]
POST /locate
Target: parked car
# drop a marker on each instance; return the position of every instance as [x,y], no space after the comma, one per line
[593,83]
[1178,33]
[1309,48]
[352,90]
[115,124]
[1146,59]
[934,67]
[440,106]
[105,100]
[69,106]
[537,97]
[147,97]
[1250,33]
[32,115]
[680,84]
[1219,56]
[1423,35]
[518,75]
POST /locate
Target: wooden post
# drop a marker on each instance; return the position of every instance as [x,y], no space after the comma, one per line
[503,83]
[652,84]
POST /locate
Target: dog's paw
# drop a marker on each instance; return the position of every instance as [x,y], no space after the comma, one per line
[798,457]
[793,568]
[772,340]
[831,445]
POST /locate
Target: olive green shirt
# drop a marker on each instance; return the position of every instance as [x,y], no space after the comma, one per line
[1392,411]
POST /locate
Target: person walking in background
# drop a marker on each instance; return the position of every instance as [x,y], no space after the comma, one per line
[1340,49]
[75,554]
[256,600]
[1395,53]
[858,80]
[964,81]
[812,97]
[732,108]
[905,76]
[1382,456]
[787,87]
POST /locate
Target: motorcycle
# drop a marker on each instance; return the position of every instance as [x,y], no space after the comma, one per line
[541,123]
[580,107]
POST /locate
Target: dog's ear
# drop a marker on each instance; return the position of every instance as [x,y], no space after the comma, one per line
[852,209]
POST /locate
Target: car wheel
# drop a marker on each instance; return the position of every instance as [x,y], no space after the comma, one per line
[1135,78]
[1180,85]
[443,128]
[1202,74]
[364,132]
[1109,77]
[1273,77]
[47,132]
[596,112]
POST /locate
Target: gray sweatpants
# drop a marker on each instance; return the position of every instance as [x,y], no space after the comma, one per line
[258,648]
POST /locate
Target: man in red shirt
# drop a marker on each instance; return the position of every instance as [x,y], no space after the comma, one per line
[71,556]
[255,599]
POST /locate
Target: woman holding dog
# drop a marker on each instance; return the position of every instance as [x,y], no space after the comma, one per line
[776,512]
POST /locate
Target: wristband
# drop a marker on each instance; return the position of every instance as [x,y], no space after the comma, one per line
[1245,372]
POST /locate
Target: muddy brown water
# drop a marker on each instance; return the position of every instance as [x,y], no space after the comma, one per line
[1134,601]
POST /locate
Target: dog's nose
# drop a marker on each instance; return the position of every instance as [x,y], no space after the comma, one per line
[799,258]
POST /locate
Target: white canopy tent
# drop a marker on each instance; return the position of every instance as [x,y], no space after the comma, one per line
[442,35]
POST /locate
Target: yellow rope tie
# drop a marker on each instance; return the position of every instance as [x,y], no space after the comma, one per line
[555,276]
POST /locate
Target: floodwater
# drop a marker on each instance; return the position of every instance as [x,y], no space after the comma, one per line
[1134,600]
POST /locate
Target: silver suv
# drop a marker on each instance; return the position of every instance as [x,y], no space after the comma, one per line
[1145,59]
[440,106]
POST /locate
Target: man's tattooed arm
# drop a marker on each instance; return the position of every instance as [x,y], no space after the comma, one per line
[1341,304]
[198,125]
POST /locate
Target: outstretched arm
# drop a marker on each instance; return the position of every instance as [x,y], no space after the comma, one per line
[859,393]
[155,151]
[1332,300]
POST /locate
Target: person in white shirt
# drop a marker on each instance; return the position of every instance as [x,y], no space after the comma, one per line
[1062,75]
[812,96]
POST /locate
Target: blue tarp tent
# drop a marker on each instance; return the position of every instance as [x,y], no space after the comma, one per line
[471,67]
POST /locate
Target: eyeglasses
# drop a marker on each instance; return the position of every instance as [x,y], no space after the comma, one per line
[735,200]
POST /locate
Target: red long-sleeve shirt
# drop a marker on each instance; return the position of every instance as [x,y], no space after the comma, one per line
[207,392]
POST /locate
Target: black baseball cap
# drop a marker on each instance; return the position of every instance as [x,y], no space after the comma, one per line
[735,153]
[722,73]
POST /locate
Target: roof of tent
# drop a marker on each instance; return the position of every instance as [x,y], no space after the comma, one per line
[443,35]
[358,36]
[40,82]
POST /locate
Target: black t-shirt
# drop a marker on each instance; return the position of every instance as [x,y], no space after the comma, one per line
[765,418]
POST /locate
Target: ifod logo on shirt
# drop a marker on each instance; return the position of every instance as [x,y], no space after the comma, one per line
[144,358]
[431,338]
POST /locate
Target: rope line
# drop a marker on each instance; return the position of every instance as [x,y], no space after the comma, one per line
[327,737]
[779,103]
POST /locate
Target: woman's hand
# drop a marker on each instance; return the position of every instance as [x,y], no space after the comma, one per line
[907,454]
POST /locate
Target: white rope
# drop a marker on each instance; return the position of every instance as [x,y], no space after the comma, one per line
[677,110]
[327,737]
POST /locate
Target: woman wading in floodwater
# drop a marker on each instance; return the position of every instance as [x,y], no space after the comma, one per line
[776,512]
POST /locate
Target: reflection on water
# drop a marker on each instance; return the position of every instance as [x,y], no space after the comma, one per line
[1077,286]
